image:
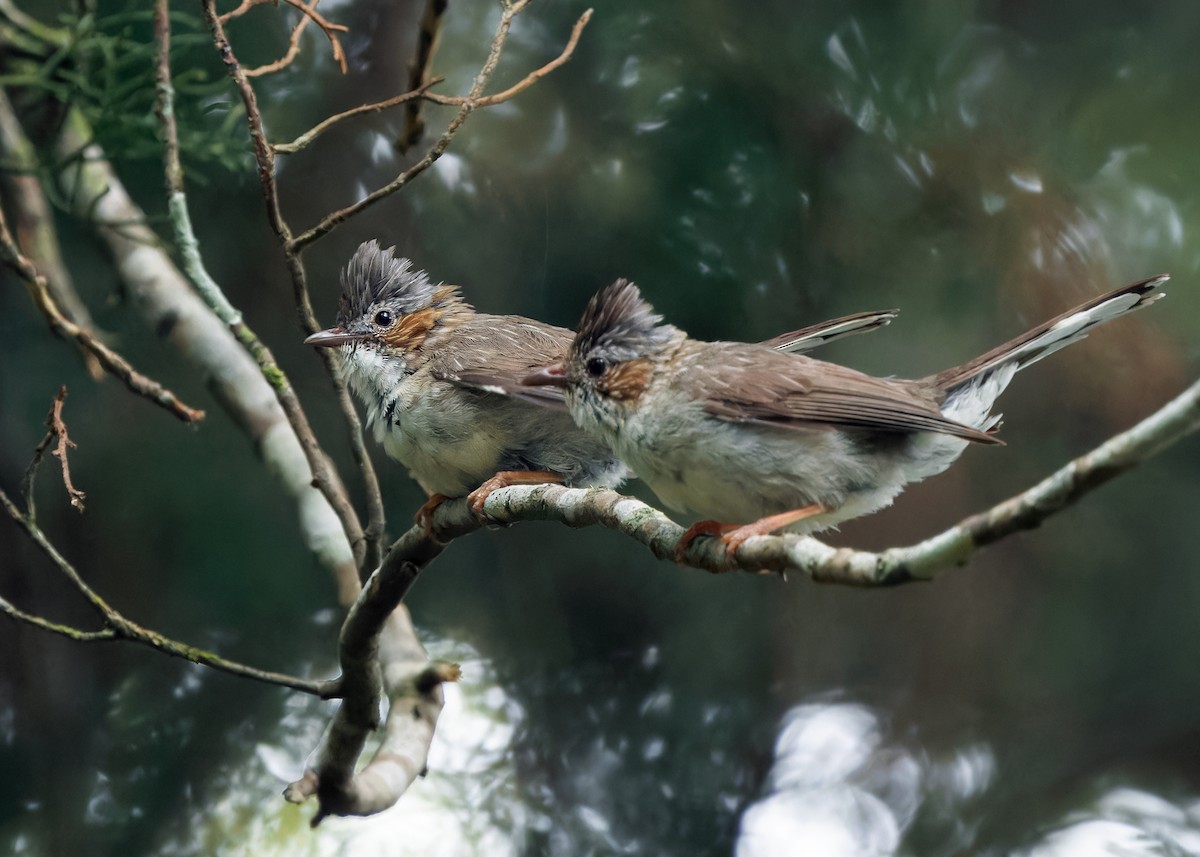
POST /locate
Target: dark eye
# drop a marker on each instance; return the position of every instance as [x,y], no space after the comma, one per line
[597,366]
[383,318]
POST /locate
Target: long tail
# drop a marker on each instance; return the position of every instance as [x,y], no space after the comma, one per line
[971,389]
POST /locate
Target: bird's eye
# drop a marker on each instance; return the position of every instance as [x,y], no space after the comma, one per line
[383,318]
[596,366]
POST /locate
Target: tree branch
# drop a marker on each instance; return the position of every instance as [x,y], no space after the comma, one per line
[169,306]
[529,79]
[112,362]
[341,792]
[117,627]
[428,36]
[368,544]
[320,128]
[332,221]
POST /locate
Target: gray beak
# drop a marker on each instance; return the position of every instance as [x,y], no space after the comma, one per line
[547,376]
[332,337]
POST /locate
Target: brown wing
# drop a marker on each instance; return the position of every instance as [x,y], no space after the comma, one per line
[749,383]
[493,353]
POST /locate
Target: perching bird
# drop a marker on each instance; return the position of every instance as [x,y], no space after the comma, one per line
[755,440]
[440,382]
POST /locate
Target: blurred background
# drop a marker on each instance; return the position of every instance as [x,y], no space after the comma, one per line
[755,168]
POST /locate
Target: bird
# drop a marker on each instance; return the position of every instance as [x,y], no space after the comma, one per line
[754,440]
[439,383]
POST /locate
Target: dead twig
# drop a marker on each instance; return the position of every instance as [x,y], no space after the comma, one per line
[320,128]
[112,362]
[529,79]
[335,219]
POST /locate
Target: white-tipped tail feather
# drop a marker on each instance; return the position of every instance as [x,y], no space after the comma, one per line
[972,389]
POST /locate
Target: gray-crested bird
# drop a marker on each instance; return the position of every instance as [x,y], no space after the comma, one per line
[440,383]
[755,440]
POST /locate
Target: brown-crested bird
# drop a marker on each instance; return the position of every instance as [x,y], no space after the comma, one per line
[754,440]
[440,383]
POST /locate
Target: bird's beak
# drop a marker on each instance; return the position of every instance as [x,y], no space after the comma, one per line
[332,337]
[547,376]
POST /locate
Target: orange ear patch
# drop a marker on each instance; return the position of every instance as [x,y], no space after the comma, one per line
[627,380]
[410,330]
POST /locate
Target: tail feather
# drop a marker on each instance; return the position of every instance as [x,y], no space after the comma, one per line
[1061,331]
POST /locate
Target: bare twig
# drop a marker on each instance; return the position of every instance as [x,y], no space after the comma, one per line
[328,28]
[170,306]
[320,128]
[428,36]
[323,476]
[308,12]
[117,627]
[288,58]
[112,362]
[332,221]
[529,79]
[368,544]
[33,224]
[58,430]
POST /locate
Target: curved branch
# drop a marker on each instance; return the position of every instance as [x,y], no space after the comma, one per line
[341,792]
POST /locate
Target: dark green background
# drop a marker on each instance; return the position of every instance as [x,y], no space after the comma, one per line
[754,167]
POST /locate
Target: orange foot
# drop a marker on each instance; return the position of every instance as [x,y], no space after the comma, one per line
[732,535]
[503,479]
[424,516]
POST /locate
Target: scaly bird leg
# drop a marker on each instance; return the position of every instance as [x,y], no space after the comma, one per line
[732,535]
[503,479]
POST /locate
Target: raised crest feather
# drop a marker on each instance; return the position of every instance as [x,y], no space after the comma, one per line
[620,322]
[375,275]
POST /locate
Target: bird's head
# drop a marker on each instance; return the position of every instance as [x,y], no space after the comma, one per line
[610,363]
[388,311]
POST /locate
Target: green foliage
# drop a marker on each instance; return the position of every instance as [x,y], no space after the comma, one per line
[104,66]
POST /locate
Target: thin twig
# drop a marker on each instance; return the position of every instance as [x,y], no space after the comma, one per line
[58,429]
[116,626]
[529,80]
[293,50]
[112,362]
[308,12]
[323,475]
[332,221]
[368,544]
[328,28]
[320,128]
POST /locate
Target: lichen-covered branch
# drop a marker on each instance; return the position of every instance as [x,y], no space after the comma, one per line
[408,679]
[169,306]
[341,792]
[368,544]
